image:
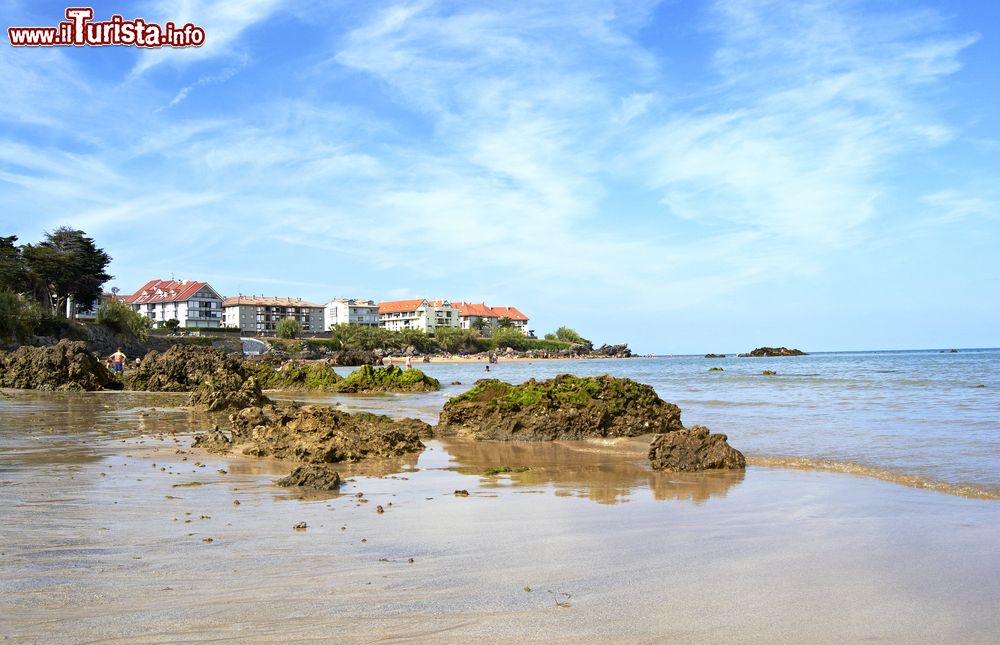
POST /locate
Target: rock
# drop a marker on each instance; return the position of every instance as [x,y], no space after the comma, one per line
[613,351]
[217,399]
[183,368]
[461,493]
[566,407]
[716,369]
[387,379]
[769,373]
[317,476]
[67,365]
[693,449]
[773,351]
[379,509]
[294,375]
[715,355]
[317,434]
[301,526]
[352,357]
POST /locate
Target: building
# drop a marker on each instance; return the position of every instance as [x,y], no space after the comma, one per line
[350,311]
[518,319]
[259,315]
[472,316]
[191,303]
[425,315]
[479,316]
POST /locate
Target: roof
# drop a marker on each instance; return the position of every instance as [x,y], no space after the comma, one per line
[468,309]
[440,303]
[166,291]
[263,301]
[393,306]
[354,302]
[509,312]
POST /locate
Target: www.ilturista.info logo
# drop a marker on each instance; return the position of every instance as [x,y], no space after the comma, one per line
[79,30]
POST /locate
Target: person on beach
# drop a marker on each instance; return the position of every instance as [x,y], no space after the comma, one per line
[487,368]
[118,362]
[409,362]
[138,362]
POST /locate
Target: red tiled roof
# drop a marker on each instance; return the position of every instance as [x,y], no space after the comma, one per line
[509,312]
[165,291]
[440,303]
[468,309]
[393,306]
[262,301]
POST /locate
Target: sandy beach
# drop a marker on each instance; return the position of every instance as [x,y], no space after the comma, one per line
[117,530]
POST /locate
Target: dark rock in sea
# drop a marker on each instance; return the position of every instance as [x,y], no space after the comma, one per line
[769,373]
[183,368]
[693,449]
[67,365]
[715,355]
[565,407]
[613,351]
[773,351]
[316,476]
[317,434]
[220,398]
[716,369]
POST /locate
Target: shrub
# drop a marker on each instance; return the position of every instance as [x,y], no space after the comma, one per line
[118,315]
[570,336]
[17,318]
[288,328]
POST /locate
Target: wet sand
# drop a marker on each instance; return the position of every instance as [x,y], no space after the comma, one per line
[587,544]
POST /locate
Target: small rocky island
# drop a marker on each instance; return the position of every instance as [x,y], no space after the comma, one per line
[763,352]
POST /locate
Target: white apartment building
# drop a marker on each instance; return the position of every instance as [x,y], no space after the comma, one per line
[425,315]
[518,319]
[259,315]
[350,311]
[472,316]
[191,303]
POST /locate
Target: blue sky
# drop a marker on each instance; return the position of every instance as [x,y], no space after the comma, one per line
[683,176]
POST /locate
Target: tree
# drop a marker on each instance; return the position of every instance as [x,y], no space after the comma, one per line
[288,328]
[459,341]
[505,322]
[120,316]
[172,324]
[479,324]
[13,270]
[67,264]
[507,337]
[568,335]
[17,317]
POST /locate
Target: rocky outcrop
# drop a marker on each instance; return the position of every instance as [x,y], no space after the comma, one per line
[351,357]
[387,379]
[566,407]
[217,399]
[693,449]
[183,368]
[294,375]
[315,476]
[773,351]
[67,365]
[715,355]
[316,434]
[613,351]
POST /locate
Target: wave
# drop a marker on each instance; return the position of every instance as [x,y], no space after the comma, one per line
[972,491]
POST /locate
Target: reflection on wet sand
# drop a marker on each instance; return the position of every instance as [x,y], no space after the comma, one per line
[606,474]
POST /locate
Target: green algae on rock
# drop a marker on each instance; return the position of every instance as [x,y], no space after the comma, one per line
[387,379]
[295,375]
[316,434]
[565,407]
[66,365]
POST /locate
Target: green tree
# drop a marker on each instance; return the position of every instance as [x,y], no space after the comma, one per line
[550,336]
[172,324]
[288,328]
[459,341]
[505,323]
[13,270]
[67,264]
[570,336]
[120,316]
[507,337]
[17,317]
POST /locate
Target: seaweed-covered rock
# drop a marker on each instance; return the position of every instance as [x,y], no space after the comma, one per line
[773,351]
[221,398]
[715,355]
[67,365]
[691,449]
[317,434]
[317,476]
[293,375]
[565,407]
[183,368]
[387,379]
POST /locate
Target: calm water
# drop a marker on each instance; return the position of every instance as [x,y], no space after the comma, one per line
[920,413]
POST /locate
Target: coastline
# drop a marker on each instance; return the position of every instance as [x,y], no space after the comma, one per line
[766,555]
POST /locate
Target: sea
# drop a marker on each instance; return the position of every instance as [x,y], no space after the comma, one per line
[931,415]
